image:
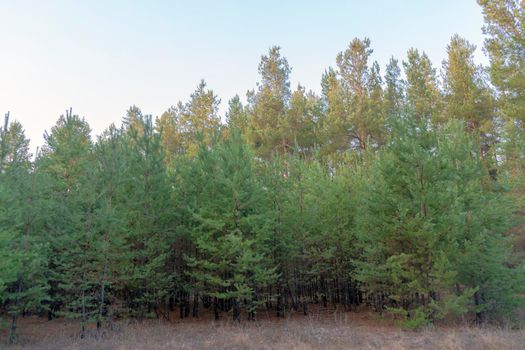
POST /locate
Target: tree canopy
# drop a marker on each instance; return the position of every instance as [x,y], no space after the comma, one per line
[398,191]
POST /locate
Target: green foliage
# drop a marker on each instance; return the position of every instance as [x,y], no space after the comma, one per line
[229,223]
[147,233]
[467,95]
[405,196]
[66,160]
[422,91]
[394,89]
[23,247]
[280,121]
[185,125]
[428,225]
[354,97]
[504,21]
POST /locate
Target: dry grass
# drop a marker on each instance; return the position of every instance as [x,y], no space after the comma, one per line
[357,331]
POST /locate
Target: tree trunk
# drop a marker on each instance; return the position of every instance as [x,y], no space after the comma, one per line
[12,332]
[83,317]
[103,290]
[477,302]
[215,309]
[195,312]
[236,311]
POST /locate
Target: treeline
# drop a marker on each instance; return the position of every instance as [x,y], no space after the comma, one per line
[397,191]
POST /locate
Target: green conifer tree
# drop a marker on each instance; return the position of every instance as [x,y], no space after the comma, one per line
[467,95]
[422,91]
[424,217]
[67,160]
[23,282]
[146,279]
[269,104]
[229,227]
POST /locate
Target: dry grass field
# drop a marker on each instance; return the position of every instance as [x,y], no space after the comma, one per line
[327,330]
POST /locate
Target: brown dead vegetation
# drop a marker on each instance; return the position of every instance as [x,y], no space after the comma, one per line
[324,329]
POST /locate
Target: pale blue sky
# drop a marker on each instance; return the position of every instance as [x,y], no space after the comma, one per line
[100,57]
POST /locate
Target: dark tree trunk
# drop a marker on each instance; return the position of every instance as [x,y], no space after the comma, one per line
[305,307]
[215,309]
[83,328]
[171,303]
[196,305]
[236,311]
[280,305]
[187,306]
[477,302]
[12,332]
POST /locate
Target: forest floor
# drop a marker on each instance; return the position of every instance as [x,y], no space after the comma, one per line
[323,329]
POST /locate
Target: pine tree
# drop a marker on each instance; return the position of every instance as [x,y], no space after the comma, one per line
[504,44]
[4,141]
[183,125]
[228,228]
[237,117]
[279,246]
[422,91]
[423,220]
[147,222]
[23,283]
[503,24]
[300,127]
[110,231]
[467,95]
[333,122]
[317,218]
[355,98]
[269,104]
[395,89]
[375,107]
[133,119]
[66,159]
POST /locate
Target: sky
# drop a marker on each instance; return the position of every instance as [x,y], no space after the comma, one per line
[100,57]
